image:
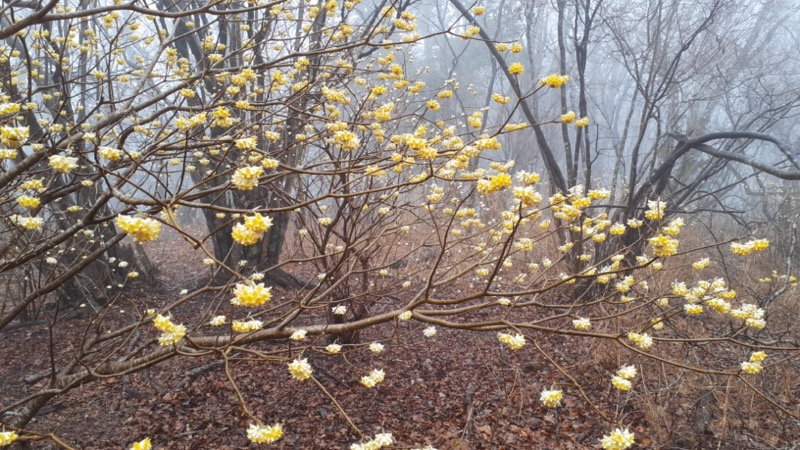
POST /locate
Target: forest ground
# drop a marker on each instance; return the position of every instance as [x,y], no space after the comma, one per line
[456,391]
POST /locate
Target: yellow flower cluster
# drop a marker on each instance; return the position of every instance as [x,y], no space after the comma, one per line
[63,163]
[251,294]
[514,341]
[14,137]
[643,341]
[144,444]
[619,439]
[621,383]
[28,202]
[503,100]
[757,245]
[495,183]
[170,332]
[381,440]
[141,229]
[752,315]
[196,120]
[701,264]
[246,178]
[554,81]
[374,377]
[246,327]
[300,369]
[663,245]
[622,379]
[264,434]
[28,223]
[109,153]
[582,323]
[253,229]
[9,109]
[346,140]
[248,143]
[656,210]
[7,438]
[551,398]
[527,196]
[516,69]
[488,143]
[754,365]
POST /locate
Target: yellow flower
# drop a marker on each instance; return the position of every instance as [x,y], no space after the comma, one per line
[333,349]
[248,143]
[246,327]
[617,229]
[264,434]
[568,118]
[554,81]
[621,383]
[516,69]
[551,398]
[580,123]
[298,335]
[300,369]
[111,154]
[9,109]
[643,341]
[749,247]
[258,223]
[692,309]
[494,184]
[243,235]
[751,367]
[14,137]
[503,100]
[656,210]
[139,228]
[759,245]
[246,178]
[663,245]
[582,323]
[217,321]
[27,201]
[63,164]
[515,342]
[144,444]
[516,47]
[479,10]
[251,294]
[619,439]
[7,438]
[627,372]
[170,333]
[375,377]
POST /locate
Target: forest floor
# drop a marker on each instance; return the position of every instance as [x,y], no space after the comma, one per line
[456,391]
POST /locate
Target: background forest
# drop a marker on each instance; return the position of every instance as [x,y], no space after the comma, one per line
[410,224]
